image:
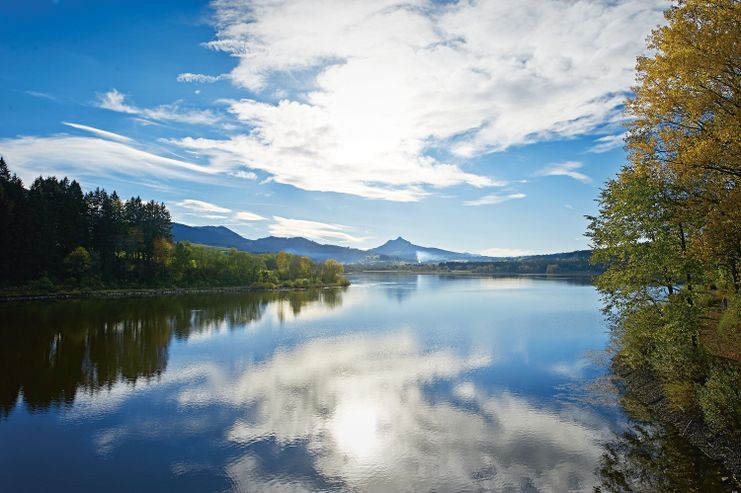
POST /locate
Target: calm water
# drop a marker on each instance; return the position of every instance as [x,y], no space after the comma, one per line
[398,383]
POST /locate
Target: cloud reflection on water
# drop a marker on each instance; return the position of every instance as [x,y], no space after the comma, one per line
[358,405]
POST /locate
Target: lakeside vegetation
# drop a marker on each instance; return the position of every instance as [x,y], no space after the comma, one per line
[558,264]
[54,237]
[669,225]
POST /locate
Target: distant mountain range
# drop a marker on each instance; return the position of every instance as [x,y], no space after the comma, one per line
[393,251]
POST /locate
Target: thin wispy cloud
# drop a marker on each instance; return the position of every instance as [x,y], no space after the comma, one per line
[505,252]
[101,133]
[201,206]
[608,143]
[313,230]
[200,215]
[248,216]
[82,156]
[115,101]
[385,85]
[494,198]
[565,169]
[43,95]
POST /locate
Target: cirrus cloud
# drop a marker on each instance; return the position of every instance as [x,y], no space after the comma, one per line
[201,206]
[115,101]
[565,169]
[248,216]
[494,198]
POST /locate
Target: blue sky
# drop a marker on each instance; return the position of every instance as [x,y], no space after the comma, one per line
[472,126]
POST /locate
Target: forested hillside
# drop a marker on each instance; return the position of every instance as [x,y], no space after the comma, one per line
[52,235]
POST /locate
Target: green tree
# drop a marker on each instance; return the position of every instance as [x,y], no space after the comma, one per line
[78,262]
[668,229]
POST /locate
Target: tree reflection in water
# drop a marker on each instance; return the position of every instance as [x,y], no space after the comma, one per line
[51,350]
[647,457]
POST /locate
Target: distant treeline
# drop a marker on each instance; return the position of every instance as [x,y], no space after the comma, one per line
[545,264]
[572,263]
[52,235]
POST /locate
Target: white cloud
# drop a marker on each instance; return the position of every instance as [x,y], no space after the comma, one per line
[248,216]
[366,410]
[313,230]
[494,198]
[101,133]
[245,175]
[608,143]
[565,169]
[371,88]
[116,101]
[43,95]
[201,206]
[571,369]
[82,157]
[505,252]
[201,78]
[200,215]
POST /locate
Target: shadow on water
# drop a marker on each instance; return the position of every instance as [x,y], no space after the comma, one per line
[52,350]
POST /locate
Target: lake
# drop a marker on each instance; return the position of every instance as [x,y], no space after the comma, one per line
[397,383]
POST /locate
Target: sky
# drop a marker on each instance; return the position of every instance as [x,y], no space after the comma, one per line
[476,126]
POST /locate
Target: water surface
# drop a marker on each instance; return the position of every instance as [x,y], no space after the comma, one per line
[397,383]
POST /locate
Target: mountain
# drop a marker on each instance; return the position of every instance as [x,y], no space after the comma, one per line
[220,236]
[406,251]
[393,251]
[209,235]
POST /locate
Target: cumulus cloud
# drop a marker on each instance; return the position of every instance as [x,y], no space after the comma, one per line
[386,85]
[494,198]
[313,230]
[565,169]
[116,101]
[101,133]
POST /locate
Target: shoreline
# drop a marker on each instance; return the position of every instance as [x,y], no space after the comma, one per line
[465,273]
[646,387]
[151,292]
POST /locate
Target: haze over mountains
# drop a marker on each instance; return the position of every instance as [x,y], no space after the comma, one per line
[398,250]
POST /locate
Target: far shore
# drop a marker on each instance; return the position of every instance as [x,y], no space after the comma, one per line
[149,292]
[468,273]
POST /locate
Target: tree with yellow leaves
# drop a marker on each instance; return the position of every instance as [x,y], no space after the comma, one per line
[669,225]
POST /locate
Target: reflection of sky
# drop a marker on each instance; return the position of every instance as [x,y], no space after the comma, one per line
[450,387]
